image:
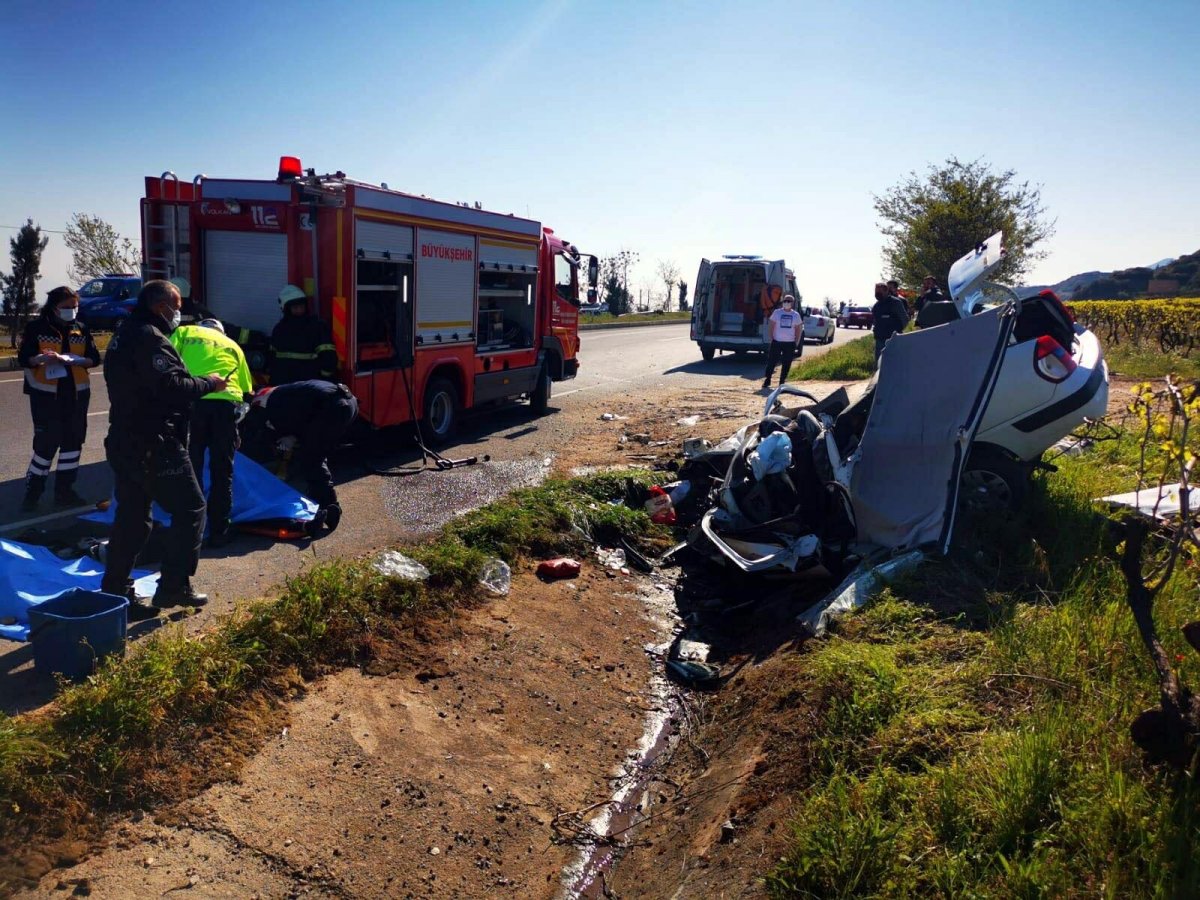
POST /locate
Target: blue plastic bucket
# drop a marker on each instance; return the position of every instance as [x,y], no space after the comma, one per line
[72,632]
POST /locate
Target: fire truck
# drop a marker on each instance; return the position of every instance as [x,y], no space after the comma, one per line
[434,307]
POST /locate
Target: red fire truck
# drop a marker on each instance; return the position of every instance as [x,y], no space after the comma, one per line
[434,307]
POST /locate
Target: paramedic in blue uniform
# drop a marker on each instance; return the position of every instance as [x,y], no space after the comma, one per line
[301,343]
[151,396]
[56,352]
[787,340]
[316,413]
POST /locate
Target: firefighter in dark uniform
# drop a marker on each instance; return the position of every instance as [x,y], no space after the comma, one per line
[316,413]
[151,396]
[56,352]
[301,344]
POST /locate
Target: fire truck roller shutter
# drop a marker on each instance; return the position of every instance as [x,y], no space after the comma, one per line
[374,239]
[497,253]
[446,264]
[243,272]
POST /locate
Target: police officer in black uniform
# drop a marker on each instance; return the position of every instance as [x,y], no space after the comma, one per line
[151,395]
[301,344]
[316,413]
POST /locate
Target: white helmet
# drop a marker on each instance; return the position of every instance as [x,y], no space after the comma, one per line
[290,294]
[215,324]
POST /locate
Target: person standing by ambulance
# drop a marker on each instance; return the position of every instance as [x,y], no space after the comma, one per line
[56,352]
[301,344]
[206,350]
[787,335]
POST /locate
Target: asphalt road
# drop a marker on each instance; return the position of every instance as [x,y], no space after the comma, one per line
[379,511]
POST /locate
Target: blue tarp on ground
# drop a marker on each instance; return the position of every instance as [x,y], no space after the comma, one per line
[257,496]
[30,575]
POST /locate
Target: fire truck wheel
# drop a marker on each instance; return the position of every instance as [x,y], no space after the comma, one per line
[539,399]
[441,410]
[708,352]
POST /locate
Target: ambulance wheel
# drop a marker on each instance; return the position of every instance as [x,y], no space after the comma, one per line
[441,411]
[993,482]
[539,398]
[708,353]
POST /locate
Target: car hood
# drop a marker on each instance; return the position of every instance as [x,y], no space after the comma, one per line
[972,270]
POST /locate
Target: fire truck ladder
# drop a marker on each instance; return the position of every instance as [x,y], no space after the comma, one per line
[169,249]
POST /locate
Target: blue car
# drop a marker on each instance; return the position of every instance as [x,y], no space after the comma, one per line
[104,302]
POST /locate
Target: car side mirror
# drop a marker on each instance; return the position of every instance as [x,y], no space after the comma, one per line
[593,274]
[591,295]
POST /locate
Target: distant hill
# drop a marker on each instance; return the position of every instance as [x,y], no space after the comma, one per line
[1127,283]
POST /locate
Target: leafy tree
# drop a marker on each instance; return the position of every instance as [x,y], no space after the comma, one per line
[616,295]
[683,295]
[930,221]
[97,248]
[25,250]
[668,273]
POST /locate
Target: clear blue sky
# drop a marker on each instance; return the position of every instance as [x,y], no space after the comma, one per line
[677,130]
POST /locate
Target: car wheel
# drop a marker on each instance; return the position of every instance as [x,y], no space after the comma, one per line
[993,482]
[441,411]
[539,398]
[708,353]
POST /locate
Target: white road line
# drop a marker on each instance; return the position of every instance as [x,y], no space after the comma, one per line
[100,412]
[11,380]
[49,517]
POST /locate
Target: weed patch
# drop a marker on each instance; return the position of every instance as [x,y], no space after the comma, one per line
[852,361]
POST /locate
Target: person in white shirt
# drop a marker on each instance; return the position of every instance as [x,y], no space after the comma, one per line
[787,340]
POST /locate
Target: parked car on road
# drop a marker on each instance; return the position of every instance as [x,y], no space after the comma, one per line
[818,325]
[858,317]
[593,309]
[105,302]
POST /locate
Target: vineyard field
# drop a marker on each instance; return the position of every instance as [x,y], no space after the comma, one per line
[1171,326]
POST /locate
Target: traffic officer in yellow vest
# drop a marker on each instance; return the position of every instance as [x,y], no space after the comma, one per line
[56,352]
[301,344]
[206,350]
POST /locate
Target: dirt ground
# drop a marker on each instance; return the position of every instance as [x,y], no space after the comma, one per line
[443,777]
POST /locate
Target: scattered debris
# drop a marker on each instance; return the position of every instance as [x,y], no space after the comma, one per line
[640,438]
[613,559]
[1157,501]
[688,421]
[396,565]
[694,447]
[659,506]
[496,576]
[611,417]
[563,567]
[693,674]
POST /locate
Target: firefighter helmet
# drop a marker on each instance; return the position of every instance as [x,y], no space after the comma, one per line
[290,294]
[215,324]
[183,286]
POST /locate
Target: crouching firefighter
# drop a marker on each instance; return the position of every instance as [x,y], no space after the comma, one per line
[151,396]
[315,415]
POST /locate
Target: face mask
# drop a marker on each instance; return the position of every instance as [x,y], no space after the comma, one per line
[67,313]
[174,320]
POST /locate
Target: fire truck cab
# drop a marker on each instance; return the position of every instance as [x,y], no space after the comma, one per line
[434,307]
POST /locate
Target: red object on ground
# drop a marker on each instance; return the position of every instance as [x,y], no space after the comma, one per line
[662,511]
[562,567]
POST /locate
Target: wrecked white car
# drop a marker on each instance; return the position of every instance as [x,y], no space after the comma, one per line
[816,489]
[1053,378]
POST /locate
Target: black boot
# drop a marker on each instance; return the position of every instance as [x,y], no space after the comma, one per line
[140,608]
[35,486]
[168,596]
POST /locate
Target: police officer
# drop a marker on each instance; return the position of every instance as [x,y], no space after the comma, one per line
[151,396]
[316,413]
[56,352]
[301,345]
[206,350]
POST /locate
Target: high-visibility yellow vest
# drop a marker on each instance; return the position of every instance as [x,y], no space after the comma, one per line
[205,351]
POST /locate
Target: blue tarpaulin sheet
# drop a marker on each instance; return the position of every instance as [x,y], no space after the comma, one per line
[258,496]
[30,574]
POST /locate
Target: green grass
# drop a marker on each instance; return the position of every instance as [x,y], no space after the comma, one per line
[973,722]
[1143,362]
[846,362]
[106,742]
[631,320]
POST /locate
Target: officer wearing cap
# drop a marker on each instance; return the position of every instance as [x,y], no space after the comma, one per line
[316,413]
[206,350]
[301,344]
[150,400]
